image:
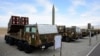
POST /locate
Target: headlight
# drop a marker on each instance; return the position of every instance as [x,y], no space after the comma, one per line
[32,36]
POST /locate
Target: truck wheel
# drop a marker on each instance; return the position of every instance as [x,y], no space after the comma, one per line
[68,39]
[63,38]
[8,42]
[27,48]
[46,47]
[6,39]
[11,41]
[16,42]
[20,45]
[81,37]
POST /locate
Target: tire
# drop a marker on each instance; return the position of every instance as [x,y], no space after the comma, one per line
[27,48]
[11,41]
[46,47]
[68,39]
[64,38]
[20,45]
[81,37]
[6,39]
[16,42]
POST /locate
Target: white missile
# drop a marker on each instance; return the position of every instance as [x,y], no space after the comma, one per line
[53,15]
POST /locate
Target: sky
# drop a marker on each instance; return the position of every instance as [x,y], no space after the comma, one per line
[67,12]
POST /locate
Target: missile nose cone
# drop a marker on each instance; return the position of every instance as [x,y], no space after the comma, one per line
[53,6]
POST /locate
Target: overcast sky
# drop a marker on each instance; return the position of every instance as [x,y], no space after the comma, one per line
[68,12]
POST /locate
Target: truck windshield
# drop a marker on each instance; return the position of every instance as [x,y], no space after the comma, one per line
[33,30]
[78,30]
[27,29]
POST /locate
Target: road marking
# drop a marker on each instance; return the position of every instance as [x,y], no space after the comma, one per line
[93,49]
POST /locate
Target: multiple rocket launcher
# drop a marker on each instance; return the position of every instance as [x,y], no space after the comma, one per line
[29,37]
[15,21]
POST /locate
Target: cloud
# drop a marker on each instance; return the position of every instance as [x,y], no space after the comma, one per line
[78,2]
[93,10]
[46,4]
[93,14]
[72,18]
[74,5]
[27,10]
[4,20]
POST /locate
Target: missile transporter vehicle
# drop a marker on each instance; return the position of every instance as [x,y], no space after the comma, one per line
[61,30]
[85,32]
[96,31]
[29,37]
[69,34]
[72,33]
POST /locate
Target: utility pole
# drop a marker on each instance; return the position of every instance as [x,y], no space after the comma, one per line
[89,30]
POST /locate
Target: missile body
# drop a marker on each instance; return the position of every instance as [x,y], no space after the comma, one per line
[53,15]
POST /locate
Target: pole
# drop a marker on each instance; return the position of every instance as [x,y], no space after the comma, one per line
[90,38]
[61,50]
[96,37]
[54,48]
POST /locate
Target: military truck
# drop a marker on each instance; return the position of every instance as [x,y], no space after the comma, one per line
[61,29]
[73,33]
[29,37]
[97,31]
[77,32]
[69,33]
[84,32]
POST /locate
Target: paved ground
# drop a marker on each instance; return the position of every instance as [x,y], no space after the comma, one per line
[95,51]
[77,48]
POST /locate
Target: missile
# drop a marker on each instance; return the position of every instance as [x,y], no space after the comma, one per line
[53,15]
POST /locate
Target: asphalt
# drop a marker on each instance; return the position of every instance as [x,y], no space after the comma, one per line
[95,51]
[79,47]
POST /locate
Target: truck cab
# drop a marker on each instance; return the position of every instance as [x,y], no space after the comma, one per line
[40,34]
[69,33]
[84,32]
[72,33]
